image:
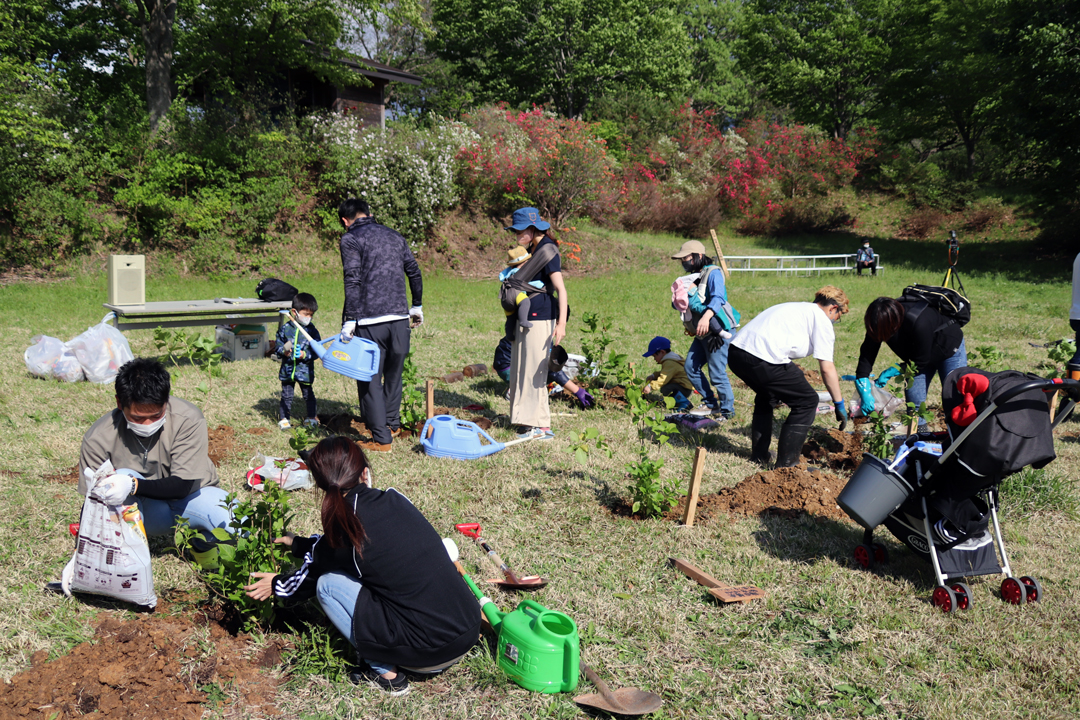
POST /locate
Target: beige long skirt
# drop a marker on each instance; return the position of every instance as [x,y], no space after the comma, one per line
[528,375]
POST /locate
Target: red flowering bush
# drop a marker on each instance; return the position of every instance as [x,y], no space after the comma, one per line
[534,158]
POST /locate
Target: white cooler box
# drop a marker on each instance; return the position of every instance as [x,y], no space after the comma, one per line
[242,342]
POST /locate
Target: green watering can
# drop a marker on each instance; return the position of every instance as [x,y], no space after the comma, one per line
[538,648]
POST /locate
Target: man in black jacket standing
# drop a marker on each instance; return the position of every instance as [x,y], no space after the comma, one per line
[376,261]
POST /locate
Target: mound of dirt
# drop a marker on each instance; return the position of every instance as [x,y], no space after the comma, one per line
[65,477]
[147,668]
[788,492]
[834,450]
[222,440]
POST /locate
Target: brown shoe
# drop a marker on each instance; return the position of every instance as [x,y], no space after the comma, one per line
[395,432]
[375,447]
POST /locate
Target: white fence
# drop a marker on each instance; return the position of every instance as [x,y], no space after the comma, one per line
[795,264]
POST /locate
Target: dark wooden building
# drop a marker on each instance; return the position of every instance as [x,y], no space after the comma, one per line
[367,102]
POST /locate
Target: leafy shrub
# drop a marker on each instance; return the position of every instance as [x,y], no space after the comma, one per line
[534,158]
[801,215]
[691,216]
[985,214]
[922,223]
[405,173]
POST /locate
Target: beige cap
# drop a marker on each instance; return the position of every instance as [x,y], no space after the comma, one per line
[688,248]
[517,255]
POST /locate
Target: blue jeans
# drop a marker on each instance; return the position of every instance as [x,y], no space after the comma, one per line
[337,595]
[696,358]
[919,384]
[678,392]
[205,509]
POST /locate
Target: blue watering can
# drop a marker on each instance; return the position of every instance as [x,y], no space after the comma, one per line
[357,359]
[446,436]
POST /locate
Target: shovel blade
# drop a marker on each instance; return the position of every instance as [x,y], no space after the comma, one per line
[738,593]
[631,701]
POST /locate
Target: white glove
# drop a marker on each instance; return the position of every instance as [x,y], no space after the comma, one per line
[416,315]
[347,330]
[287,349]
[114,489]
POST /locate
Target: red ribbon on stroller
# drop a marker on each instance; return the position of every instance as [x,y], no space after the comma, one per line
[970,386]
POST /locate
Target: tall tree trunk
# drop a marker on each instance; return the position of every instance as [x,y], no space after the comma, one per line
[157,18]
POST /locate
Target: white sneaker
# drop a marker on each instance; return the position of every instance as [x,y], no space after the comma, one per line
[284,424]
[312,422]
[702,411]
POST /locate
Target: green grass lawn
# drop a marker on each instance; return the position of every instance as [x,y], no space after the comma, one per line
[830,641]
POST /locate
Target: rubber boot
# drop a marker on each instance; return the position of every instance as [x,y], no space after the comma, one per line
[789,447]
[205,554]
[761,434]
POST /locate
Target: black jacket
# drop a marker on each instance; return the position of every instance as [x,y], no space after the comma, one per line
[376,260]
[925,339]
[414,609]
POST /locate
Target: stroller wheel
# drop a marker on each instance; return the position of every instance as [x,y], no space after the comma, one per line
[1013,591]
[944,598]
[864,555]
[881,553]
[963,595]
[1033,587]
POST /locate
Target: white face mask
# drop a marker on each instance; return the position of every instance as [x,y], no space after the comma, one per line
[305,321]
[146,430]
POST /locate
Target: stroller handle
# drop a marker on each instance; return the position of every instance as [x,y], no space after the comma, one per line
[1071,388]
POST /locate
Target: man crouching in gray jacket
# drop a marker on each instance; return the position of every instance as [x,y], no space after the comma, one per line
[376,261]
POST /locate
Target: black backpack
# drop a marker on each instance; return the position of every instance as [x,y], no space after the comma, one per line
[946,301]
[274,290]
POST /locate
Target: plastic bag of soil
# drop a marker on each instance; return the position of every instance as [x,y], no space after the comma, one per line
[101,351]
[50,357]
[112,556]
[289,473]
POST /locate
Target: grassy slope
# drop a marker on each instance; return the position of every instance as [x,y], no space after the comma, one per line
[828,642]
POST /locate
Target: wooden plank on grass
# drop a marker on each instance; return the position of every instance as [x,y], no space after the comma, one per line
[695,487]
[719,254]
[720,591]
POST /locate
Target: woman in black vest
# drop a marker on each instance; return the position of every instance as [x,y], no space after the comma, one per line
[919,335]
[381,573]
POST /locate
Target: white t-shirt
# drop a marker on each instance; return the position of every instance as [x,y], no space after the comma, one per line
[1074,313]
[788,331]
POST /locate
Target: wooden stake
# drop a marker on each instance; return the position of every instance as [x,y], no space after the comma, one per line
[695,487]
[719,590]
[430,399]
[1053,404]
[720,255]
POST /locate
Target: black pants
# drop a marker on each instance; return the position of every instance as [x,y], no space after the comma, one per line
[380,397]
[785,383]
[287,390]
[872,264]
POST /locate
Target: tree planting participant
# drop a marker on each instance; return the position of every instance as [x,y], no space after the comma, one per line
[547,313]
[298,359]
[159,446]
[501,365]
[381,573]
[919,335]
[670,380]
[761,356]
[709,347]
[376,262]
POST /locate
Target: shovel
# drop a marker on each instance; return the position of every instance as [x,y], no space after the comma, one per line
[624,701]
[512,581]
[720,591]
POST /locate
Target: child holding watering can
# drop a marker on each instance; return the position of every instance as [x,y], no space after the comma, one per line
[380,572]
[297,359]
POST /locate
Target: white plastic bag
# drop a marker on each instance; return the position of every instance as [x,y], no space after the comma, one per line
[289,473]
[101,351]
[885,403]
[112,556]
[49,357]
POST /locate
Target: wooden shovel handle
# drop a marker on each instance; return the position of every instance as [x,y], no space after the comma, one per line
[698,576]
[602,686]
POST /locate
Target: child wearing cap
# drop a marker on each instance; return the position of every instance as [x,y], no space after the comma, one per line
[517,256]
[671,380]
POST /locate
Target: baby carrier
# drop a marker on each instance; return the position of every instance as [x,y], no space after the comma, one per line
[519,281]
[939,495]
[688,297]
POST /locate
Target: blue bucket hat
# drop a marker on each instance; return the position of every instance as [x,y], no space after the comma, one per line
[656,345]
[526,218]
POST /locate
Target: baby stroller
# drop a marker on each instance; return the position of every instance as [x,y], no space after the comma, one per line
[939,494]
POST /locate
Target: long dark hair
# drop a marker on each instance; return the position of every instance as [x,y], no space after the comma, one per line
[883,318]
[337,464]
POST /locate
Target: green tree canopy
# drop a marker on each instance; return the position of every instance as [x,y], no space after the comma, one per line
[563,53]
[715,78]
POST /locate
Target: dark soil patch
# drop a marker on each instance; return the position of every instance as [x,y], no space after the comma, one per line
[481,422]
[66,477]
[813,377]
[787,492]
[257,431]
[146,668]
[616,396]
[344,424]
[834,450]
[222,440]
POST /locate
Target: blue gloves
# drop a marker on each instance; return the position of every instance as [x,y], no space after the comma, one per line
[866,397]
[889,373]
[840,414]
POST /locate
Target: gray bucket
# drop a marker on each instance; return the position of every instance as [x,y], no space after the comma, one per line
[873,492]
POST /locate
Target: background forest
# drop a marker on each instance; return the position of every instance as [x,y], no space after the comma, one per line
[163,125]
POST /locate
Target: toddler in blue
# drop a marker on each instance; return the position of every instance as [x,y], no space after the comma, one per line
[297,358]
[517,256]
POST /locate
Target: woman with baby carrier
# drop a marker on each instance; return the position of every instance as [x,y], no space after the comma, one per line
[919,335]
[547,315]
[381,573]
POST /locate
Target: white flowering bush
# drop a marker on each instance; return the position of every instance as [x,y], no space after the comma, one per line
[404,172]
